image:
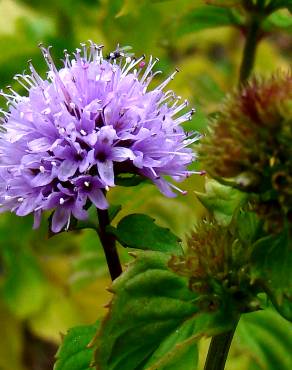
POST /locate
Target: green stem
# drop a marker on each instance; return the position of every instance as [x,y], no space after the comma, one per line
[249,51]
[218,350]
[108,242]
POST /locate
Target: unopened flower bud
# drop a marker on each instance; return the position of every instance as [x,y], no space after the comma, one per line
[249,143]
[216,264]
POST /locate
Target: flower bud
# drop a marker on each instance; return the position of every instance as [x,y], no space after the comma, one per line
[216,264]
[249,143]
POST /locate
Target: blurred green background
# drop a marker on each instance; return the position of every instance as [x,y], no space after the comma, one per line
[50,284]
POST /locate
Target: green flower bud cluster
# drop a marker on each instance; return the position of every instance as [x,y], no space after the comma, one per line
[216,264]
[249,146]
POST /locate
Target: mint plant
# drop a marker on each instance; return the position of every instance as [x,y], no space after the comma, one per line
[98,123]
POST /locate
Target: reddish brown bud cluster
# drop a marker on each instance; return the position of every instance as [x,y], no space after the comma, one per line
[250,144]
[217,266]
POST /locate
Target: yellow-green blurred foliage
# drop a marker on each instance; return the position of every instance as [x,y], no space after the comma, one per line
[48,285]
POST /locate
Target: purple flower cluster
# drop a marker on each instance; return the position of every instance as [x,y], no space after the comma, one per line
[62,145]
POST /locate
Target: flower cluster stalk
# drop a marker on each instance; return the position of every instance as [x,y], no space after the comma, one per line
[109,244]
[218,350]
[249,51]
[220,344]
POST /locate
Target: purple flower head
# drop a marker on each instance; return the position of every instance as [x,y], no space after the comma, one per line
[64,144]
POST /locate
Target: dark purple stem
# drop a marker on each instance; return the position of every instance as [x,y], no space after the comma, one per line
[108,242]
[250,48]
[218,350]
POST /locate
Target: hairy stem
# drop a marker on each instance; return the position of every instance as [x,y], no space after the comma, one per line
[220,344]
[108,242]
[218,350]
[249,51]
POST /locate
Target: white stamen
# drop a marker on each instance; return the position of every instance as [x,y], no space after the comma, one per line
[185,117]
[166,82]
[179,108]
[68,223]
[16,78]
[149,79]
[149,68]
[42,169]
[54,72]
[62,201]
[87,184]
[183,192]
[127,67]
[168,95]
[35,75]
[83,132]
[154,173]
[20,200]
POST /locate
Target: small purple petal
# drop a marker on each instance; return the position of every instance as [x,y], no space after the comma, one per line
[164,188]
[106,172]
[79,213]
[67,169]
[37,219]
[120,154]
[41,144]
[107,135]
[98,199]
[60,218]
[42,179]
[26,207]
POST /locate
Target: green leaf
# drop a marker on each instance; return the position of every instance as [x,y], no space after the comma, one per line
[207,17]
[265,337]
[248,227]
[153,321]
[278,20]
[140,231]
[74,353]
[180,347]
[221,201]
[271,266]
[113,211]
